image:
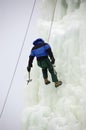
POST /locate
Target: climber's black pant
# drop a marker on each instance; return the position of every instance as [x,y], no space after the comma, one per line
[45,64]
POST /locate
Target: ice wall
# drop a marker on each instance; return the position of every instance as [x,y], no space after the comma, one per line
[62,108]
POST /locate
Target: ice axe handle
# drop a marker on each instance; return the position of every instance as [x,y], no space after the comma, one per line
[29,80]
[54,70]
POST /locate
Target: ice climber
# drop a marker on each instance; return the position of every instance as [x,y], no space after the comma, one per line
[45,59]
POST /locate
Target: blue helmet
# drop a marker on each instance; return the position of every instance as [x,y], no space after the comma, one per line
[38,41]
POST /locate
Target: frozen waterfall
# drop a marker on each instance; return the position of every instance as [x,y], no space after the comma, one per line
[62,108]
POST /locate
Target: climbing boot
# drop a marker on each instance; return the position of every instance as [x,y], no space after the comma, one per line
[58,83]
[46,81]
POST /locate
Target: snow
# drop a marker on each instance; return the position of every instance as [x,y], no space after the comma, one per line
[62,108]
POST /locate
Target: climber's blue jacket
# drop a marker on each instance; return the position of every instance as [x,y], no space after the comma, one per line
[41,50]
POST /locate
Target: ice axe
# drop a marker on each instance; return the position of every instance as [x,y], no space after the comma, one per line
[54,70]
[29,80]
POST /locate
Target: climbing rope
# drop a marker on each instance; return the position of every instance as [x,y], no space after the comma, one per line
[52,21]
[10,86]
